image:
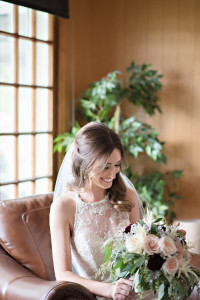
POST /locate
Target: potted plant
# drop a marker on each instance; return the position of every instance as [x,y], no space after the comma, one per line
[103,101]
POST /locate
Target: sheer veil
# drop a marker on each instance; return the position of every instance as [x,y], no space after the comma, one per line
[65,176]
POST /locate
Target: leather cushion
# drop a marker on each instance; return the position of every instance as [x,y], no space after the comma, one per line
[25,234]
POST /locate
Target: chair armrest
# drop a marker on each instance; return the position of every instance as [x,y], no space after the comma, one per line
[20,284]
[195,261]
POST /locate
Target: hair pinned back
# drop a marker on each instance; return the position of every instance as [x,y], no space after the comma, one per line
[95,142]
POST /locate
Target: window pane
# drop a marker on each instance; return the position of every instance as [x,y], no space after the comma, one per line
[25,156]
[25,21]
[42,155]
[7,162]
[42,66]
[6,16]
[25,189]
[25,110]
[7,109]
[42,108]
[6,59]
[25,61]
[41,186]
[7,192]
[41,25]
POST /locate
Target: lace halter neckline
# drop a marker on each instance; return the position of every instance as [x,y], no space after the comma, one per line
[100,202]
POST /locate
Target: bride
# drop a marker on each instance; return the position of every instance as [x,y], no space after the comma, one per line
[92,201]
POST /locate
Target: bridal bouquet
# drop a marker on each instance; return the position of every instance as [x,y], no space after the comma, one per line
[157,254]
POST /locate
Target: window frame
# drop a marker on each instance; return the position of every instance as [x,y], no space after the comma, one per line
[51,100]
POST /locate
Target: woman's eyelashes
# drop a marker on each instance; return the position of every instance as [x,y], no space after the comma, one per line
[117,165]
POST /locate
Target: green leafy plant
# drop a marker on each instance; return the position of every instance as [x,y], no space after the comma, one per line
[102,102]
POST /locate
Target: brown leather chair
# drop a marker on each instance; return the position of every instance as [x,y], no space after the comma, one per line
[26,265]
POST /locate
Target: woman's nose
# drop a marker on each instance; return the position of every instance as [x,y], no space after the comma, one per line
[112,172]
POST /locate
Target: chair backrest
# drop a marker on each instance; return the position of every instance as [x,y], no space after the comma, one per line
[192,228]
[25,234]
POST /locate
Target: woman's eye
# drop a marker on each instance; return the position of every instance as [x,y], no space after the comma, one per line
[106,168]
[118,165]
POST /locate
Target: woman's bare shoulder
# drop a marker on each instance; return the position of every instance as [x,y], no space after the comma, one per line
[136,211]
[131,195]
[64,205]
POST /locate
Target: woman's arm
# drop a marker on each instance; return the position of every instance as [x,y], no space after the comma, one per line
[61,222]
[136,212]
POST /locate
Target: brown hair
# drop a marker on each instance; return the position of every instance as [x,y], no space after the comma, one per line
[95,142]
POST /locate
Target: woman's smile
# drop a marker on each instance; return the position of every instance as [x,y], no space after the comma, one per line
[107,180]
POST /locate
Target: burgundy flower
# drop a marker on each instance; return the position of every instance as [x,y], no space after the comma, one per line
[128,228]
[155,262]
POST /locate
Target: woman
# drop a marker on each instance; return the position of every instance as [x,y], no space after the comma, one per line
[96,202]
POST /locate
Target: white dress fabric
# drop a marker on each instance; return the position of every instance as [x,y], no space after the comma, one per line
[94,223]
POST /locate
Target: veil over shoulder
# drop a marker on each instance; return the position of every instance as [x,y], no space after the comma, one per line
[65,174]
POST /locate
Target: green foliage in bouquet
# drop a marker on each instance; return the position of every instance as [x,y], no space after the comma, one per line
[157,254]
[102,102]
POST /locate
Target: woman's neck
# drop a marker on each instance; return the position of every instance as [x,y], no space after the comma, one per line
[93,194]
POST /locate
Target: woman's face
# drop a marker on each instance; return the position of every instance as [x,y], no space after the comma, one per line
[104,178]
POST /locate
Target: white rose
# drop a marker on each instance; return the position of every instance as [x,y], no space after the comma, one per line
[167,246]
[135,243]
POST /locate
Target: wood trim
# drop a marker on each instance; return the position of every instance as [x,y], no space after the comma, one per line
[50,28]
[50,59]
[16,79]
[18,36]
[26,85]
[33,99]
[55,92]
[50,50]
[50,154]
[25,133]
[16,182]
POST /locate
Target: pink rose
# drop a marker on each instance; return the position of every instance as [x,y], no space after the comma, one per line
[167,246]
[151,244]
[179,250]
[170,266]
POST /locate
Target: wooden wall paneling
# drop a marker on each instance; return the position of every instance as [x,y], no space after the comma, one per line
[103,35]
[81,36]
[194,149]
[136,23]
[184,103]
[136,13]
[108,40]
[154,47]
[171,75]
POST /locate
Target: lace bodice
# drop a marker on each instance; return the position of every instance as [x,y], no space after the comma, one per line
[94,223]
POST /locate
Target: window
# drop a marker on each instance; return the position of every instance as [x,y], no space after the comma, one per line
[26,101]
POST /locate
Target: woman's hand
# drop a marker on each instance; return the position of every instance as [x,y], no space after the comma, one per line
[122,290]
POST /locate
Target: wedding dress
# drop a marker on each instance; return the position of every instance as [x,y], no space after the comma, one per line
[94,223]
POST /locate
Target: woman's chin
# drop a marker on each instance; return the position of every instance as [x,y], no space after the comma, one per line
[107,184]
